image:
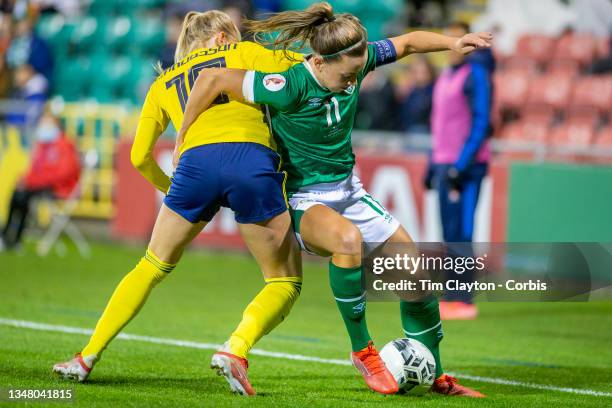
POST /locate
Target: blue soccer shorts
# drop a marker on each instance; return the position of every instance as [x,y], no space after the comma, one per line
[245,177]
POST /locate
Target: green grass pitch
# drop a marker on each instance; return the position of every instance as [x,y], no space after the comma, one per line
[556,344]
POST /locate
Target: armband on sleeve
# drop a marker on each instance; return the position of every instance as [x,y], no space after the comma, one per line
[385,52]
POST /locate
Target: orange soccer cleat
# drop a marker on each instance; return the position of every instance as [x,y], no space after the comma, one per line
[447,385]
[373,369]
[234,369]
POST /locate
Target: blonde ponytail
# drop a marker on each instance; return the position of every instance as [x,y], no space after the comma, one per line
[198,28]
[184,44]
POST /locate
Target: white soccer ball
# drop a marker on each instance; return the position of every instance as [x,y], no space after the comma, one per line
[411,363]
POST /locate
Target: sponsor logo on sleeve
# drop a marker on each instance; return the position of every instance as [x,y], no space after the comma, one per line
[274,82]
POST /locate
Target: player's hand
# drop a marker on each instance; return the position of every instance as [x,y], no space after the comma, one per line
[454,179]
[472,41]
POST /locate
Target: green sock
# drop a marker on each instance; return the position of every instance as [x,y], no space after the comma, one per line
[350,298]
[421,321]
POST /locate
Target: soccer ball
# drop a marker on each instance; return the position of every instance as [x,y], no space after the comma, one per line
[411,364]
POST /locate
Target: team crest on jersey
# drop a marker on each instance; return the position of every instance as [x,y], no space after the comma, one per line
[350,90]
[274,82]
[315,102]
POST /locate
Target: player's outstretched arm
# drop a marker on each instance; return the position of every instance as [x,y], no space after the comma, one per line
[425,41]
[210,83]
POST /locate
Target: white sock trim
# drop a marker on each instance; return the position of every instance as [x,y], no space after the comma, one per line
[407,333]
[346,300]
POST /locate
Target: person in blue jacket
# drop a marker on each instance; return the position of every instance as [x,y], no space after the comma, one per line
[460,126]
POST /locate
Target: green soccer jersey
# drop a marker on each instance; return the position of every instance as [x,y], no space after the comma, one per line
[312,125]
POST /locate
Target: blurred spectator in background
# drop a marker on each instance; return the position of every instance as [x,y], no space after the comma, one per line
[5,78]
[376,107]
[5,41]
[54,172]
[427,13]
[460,126]
[69,8]
[180,8]
[32,89]
[415,102]
[267,6]
[28,48]
[237,11]
[173,30]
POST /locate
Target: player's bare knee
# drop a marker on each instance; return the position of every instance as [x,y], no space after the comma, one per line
[350,240]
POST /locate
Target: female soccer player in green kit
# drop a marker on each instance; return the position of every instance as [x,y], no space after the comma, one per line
[311,109]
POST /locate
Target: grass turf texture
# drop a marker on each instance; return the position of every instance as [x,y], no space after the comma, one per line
[559,344]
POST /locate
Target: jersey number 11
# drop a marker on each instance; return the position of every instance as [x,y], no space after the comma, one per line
[328,106]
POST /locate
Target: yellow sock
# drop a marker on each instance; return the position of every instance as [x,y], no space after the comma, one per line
[126,301]
[264,313]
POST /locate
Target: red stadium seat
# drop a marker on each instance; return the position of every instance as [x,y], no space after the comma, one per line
[553,90]
[510,89]
[563,67]
[500,57]
[539,48]
[594,92]
[523,139]
[578,47]
[582,114]
[519,64]
[603,145]
[577,134]
[604,137]
[571,140]
[538,113]
[526,130]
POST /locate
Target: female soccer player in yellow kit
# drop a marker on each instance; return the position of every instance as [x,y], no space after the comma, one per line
[224,162]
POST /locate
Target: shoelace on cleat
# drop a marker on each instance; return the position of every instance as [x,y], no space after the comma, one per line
[449,380]
[372,361]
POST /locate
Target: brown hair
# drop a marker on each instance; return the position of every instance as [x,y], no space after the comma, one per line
[329,35]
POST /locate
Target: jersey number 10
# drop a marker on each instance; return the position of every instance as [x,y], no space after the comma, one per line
[178,82]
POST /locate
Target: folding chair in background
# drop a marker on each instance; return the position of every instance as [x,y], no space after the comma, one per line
[62,211]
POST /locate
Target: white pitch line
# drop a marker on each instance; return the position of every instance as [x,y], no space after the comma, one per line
[172,342]
[210,346]
[532,385]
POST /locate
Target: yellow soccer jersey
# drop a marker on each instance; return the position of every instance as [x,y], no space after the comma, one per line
[227,120]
